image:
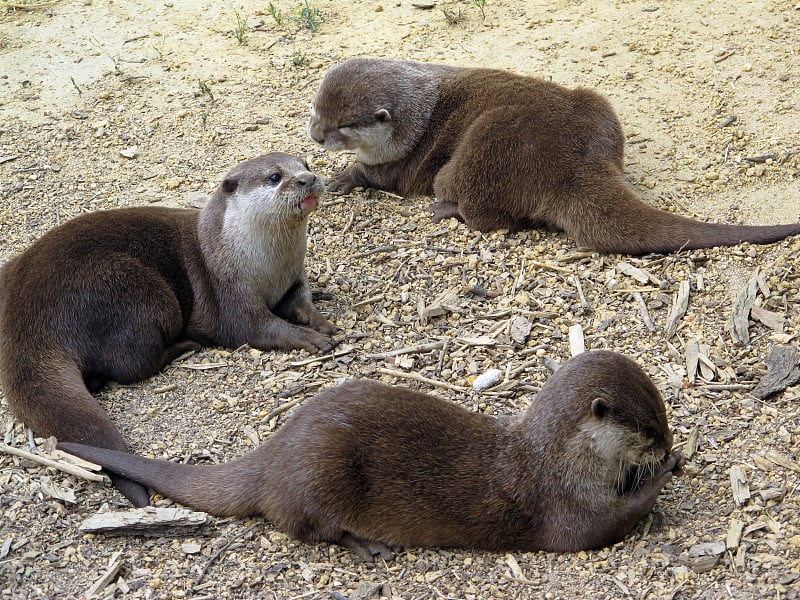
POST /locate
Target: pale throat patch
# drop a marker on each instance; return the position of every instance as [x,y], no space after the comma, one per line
[268,241]
[615,443]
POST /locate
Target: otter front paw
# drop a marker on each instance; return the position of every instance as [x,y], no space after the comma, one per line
[312,341]
[345,181]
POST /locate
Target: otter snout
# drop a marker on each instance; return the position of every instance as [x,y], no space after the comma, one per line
[307,179]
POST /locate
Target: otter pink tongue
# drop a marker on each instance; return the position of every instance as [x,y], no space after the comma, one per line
[309,202]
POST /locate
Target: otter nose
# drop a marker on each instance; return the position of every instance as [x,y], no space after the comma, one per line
[306,180]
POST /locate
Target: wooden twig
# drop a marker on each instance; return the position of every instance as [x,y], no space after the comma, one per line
[409,350]
[645,314]
[310,361]
[281,409]
[114,565]
[421,379]
[587,308]
[219,552]
[49,462]
[542,265]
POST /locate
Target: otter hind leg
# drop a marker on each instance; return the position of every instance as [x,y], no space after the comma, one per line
[366,549]
[445,210]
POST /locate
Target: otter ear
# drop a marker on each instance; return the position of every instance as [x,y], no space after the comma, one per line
[229,185]
[383,115]
[599,407]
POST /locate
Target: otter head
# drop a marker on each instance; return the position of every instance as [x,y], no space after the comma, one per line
[626,422]
[275,188]
[376,108]
[602,403]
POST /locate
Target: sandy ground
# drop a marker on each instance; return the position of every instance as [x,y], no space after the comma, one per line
[108,104]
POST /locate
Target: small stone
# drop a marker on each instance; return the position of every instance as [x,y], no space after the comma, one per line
[191,547]
[130,152]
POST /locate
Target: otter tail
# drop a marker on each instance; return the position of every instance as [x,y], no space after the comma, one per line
[48,394]
[221,490]
[609,217]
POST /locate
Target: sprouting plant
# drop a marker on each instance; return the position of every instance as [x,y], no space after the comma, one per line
[275,12]
[309,16]
[298,58]
[80,93]
[241,26]
[205,90]
[480,4]
[115,60]
[453,17]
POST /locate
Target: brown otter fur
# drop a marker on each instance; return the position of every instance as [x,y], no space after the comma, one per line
[117,294]
[371,466]
[499,150]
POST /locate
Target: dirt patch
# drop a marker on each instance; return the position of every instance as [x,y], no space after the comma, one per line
[114,104]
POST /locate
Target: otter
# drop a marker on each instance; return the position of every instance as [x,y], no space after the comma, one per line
[374,467]
[118,294]
[500,151]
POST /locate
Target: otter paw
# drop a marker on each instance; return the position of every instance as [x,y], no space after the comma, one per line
[445,210]
[341,183]
[367,549]
[314,341]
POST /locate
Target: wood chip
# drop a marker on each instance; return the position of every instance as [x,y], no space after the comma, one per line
[679,306]
[783,461]
[114,565]
[771,319]
[739,485]
[445,302]
[631,271]
[520,329]
[734,534]
[577,345]
[740,323]
[691,357]
[707,368]
[149,518]
[691,442]
[782,371]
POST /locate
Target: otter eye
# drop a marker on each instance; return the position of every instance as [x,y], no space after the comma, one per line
[274,179]
[649,432]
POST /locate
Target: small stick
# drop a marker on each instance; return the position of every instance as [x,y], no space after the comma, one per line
[587,308]
[421,379]
[114,565]
[645,314]
[410,349]
[309,361]
[377,250]
[542,265]
[368,301]
[281,409]
[349,223]
[49,462]
[166,388]
[219,552]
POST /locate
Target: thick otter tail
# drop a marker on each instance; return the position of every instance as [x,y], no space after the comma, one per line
[222,490]
[50,397]
[606,215]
